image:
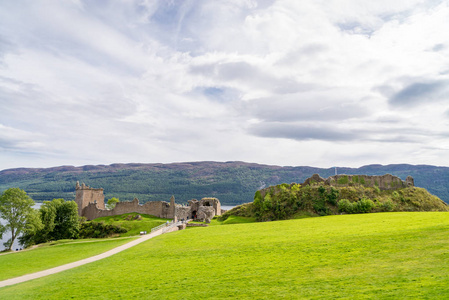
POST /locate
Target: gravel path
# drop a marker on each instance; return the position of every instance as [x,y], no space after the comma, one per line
[80,262]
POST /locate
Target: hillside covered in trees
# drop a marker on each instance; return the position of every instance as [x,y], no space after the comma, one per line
[231,182]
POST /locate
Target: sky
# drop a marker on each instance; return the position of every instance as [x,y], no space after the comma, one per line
[318,83]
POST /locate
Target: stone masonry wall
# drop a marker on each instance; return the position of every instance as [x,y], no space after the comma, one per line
[159,209]
[183,212]
[91,205]
[213,202]
[384,182]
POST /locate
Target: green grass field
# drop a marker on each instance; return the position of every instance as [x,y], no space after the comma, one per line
[134,227]
[366,256]
[53,254]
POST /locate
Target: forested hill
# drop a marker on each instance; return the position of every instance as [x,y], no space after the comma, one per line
[231,182]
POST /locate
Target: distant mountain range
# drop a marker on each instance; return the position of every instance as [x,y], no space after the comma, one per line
[231,182]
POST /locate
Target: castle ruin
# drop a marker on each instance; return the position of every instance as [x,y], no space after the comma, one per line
[384,182]
[91,206]
[85,195]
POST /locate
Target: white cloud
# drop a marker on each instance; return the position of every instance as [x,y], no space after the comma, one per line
[160,81]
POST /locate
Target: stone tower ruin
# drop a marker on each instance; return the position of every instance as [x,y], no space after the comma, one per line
[86,195]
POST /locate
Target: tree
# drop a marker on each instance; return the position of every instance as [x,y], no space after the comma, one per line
[16,207]
[66,220]
[59,220]
[47,214]
[112,202]
[32,228]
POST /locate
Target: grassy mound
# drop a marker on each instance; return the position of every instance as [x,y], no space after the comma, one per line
[134,223]
[295,201]
[361,256]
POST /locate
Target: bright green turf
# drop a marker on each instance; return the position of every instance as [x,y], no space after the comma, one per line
[53,254]
[230,220]
[134,227]
[368,256]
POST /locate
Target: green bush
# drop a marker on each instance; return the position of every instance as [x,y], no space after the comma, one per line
[387,206]
[362,206]
[296,187]
[344,205]
[267,205]
[332,196]
[343,180]
[99,230]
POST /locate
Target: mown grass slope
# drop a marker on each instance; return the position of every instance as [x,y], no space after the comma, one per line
[363,256]
[53,254]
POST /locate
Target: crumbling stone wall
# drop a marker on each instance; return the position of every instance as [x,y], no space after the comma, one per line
[91,205]
[384,182]
[212,202]
[183,212]
[205,214]
[159,209]
[194,205]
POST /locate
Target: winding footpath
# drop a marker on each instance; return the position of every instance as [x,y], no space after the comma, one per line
[80,262]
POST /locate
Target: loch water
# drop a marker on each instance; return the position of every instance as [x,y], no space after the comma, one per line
[7,234]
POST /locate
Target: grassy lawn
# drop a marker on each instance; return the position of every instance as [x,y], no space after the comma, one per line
[229,220]
[369,256]
[133,226]
[54,254]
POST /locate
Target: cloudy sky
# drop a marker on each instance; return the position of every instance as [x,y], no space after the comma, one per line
[317,82]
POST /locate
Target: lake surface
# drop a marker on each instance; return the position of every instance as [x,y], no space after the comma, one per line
[227,207]
[7,234]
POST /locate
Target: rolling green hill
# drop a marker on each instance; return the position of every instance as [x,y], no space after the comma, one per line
[231,182]
[363,256]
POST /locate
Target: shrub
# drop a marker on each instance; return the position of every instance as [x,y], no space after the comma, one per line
[296,187]
[322,190]
[267,205]
[364,206]
[344,205]
[377,189]
[99,230]
[284,186]
[387,206]
[320,208]
[343,180]
[332,196]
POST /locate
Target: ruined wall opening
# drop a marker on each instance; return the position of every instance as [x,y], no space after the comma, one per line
[194,214]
